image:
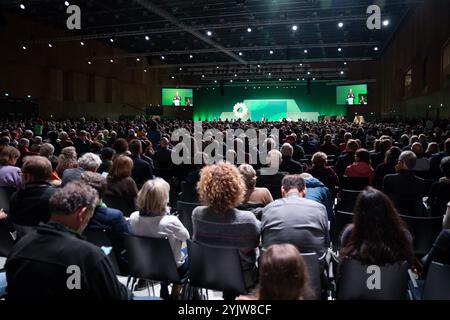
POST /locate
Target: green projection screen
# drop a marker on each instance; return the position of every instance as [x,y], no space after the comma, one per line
[177,97]
[351,95]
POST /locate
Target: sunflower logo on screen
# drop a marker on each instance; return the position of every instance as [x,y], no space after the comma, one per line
[240,110]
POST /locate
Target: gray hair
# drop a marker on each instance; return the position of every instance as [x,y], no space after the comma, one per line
[47,150]
[408,158]
[89,161]
[73,196]
[287,150]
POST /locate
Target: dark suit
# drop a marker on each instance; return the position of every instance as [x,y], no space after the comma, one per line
[291,166]
[435,162]
[406,191]
[163,159]
[81,146]
[299,153]
[30,206]
[142,171]
[343,162]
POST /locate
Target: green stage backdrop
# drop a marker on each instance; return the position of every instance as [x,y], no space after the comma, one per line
[169,93]
[271,102]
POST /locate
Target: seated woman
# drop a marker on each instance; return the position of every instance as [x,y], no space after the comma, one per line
[283,275]
[361,167]
[387,167]
[121,191]
[322,172]
[66,160]
[377,235]
[153,220]
[219,223]
[253,194]
[10,175]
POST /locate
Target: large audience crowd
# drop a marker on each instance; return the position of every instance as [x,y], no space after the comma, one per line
[63,178]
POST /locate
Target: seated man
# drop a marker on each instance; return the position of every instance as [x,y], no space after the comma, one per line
[55,263]
[142,171]
[404,188]
[440,191]
[295,219]
[163,157]
[29,206]
[347,158]
[88,162]
[109,219]
[287,163]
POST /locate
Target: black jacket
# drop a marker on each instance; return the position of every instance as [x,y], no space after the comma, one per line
[142,171]
[30,206]
[37,268]
[291,166]
[406,191]
[343,161]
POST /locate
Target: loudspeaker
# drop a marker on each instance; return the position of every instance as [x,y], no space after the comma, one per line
[308,86]
[222,89]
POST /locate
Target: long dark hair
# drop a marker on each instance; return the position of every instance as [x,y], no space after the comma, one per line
[379,235]
[283,274]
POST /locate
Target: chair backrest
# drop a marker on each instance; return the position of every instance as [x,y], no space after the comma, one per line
[353,183]
[6,239]
[215,268]
[437,283]
[347,200]
[424,231]
[341,219]
[151,259]
[119,204]
[314,270]
[356,281]
[184,210]
[101,239]
[5,198]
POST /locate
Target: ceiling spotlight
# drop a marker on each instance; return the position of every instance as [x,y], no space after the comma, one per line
[259,66]
[215,81]
[298,79]
[24,48]
[22,6]
[50,45]
[111,60]
[89,62]
[29,96]
[279,79]
[376,48]
[249,29]
[147,38]
[172,77]
[271,51]
[345,63]
[314,79]
[339,49]
[217,67]
[235,75]
[305,51]
[6,94]
[385,23]
[137,59]
[145,70]
[231,80]
[270,73]
[240,53]
[301,64]
[203,75]
[111,40]
[248,80]
[191,56]
[181,69]
[340,24]
[342,72]
[309,73]
[303,79]
[162,57]
[294,27]
[82,43]
[209,33]
[66,3]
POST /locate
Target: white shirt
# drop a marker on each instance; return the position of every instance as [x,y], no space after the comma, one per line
[160,227]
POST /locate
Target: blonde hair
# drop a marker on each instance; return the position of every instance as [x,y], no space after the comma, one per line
[66,160]
[221,187]
[249,175]
[154,196]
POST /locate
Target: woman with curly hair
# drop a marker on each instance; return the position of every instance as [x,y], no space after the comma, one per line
[66,160]
[219,223]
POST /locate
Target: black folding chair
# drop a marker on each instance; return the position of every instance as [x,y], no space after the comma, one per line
[315,272]
[437,283]
[119,204]
[151,259]
[424,231]
[341,220]
[188,192]
[215,268]
[184,210]
[101,239]
[356,281]
[5,198]
[6,239]
[353,183]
